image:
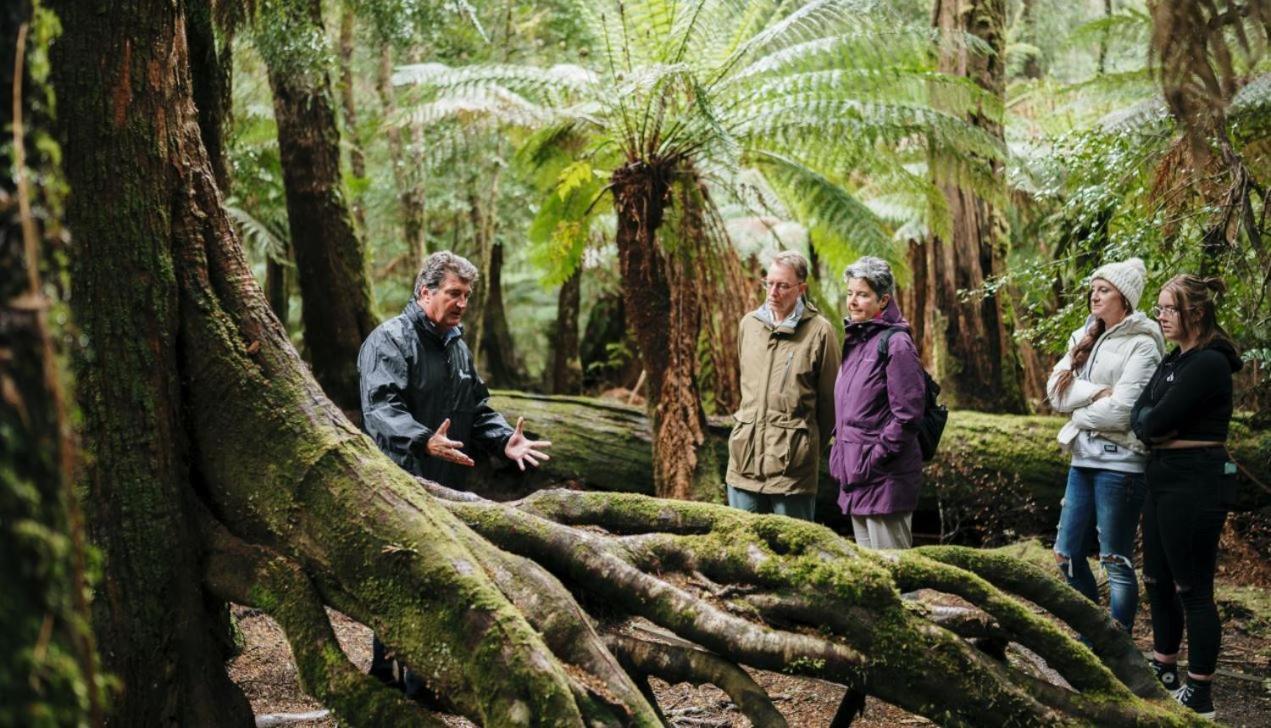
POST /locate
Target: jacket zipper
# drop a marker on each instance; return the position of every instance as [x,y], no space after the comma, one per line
[785,376]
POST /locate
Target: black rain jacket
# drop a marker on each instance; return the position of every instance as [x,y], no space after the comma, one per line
[412,378]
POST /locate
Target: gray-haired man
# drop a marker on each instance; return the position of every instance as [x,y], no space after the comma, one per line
[422,399]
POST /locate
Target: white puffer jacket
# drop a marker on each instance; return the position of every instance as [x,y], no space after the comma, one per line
[1123,359]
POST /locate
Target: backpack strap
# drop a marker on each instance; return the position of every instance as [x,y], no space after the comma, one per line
[884,339]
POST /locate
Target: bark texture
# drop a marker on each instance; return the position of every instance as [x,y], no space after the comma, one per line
[330,260]
[963,327]
[51,669]
[124,104]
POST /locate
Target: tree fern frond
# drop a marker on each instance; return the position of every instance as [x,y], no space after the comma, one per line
[559,80]
[847,225]
[269,240]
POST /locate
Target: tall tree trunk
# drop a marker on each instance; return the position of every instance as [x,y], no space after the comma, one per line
[124,96]
[411,201]
[663,310]
[974,354]
[498,350]
[330,263]
[50,670]
[357,159]
[566,375]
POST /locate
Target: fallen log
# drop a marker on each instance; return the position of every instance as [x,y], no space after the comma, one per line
[996,478]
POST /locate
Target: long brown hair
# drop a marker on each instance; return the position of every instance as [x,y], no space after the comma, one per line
[1081,352]
[1200,295]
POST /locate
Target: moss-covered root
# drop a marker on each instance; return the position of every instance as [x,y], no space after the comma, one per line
[584,558]
[255,576]
[677,664]
[913,570]
[1113,646]
[568,632]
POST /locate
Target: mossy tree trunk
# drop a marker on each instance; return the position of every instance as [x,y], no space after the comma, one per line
[966,339]
[330,260]
[214,448]
[123,105]
[50,674]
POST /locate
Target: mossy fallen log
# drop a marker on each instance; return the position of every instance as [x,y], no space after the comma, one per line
[996,478]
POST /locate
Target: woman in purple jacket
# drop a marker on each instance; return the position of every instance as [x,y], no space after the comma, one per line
[878,403]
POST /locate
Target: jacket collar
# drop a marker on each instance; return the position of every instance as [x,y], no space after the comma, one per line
[890,318]
[426,327]
[803,308]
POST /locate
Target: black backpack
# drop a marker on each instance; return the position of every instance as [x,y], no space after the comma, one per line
[934,415]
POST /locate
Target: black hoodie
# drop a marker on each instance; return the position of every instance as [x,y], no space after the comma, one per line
[1189,396]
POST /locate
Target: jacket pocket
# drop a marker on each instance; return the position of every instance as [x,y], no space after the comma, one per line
[787,447]
[853,452]
[741,443]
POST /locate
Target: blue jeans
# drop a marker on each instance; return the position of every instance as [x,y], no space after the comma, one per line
[1112,502]
[800,506]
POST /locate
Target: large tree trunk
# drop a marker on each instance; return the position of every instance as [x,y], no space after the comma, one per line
[330,263]
[50,670]
[124,105]
[971,348]
[210,435]
[664,311]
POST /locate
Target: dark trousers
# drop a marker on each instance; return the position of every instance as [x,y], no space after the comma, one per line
[1188,495]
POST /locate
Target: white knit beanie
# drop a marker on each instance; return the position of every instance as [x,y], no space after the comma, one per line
[1129,277]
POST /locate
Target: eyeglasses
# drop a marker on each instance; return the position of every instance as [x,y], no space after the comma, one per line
[1158,311]
[781,286]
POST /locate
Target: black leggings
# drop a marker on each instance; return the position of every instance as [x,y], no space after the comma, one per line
[1188,495]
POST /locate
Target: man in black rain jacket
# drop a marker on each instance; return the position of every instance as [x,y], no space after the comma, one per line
[422,399]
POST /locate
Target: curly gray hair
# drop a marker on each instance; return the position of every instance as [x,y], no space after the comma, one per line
[873,271]
[436,266]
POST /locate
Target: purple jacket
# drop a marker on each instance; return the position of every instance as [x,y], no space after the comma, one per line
[877,405]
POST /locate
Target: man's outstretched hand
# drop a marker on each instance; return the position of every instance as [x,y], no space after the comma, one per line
[524,451]
[442,447]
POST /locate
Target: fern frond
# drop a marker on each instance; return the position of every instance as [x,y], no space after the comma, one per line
[848,227]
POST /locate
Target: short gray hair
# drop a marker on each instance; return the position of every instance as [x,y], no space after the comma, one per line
[793,260]
[436,266]
[873,271]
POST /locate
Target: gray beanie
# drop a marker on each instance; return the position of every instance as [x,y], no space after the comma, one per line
[1129,277]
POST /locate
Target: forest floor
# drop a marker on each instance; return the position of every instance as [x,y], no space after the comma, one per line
[1242,692]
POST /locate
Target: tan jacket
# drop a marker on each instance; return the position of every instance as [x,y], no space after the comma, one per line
[787,404]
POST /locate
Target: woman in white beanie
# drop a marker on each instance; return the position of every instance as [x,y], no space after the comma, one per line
[1109,361]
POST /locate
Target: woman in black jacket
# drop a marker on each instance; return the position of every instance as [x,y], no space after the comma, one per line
[1183,414]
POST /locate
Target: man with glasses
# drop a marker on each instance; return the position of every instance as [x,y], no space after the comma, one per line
[789,359]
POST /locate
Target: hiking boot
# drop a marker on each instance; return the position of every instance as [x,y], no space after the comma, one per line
[1198,697]
[1167,673]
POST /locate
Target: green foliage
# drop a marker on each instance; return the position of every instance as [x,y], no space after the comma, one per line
[817,97]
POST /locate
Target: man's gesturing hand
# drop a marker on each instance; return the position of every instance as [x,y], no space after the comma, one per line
[440,446]
[522,450]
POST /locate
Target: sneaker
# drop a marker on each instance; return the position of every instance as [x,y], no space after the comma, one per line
[1197,697]
[1167,673]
